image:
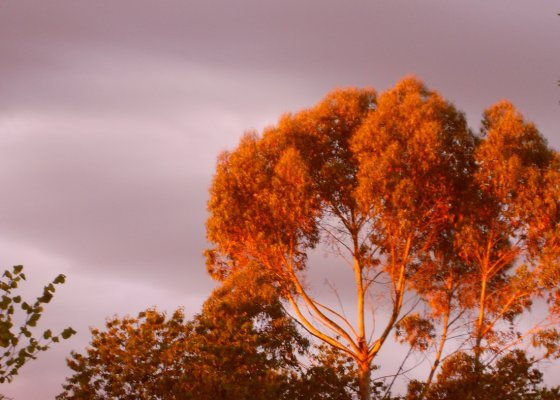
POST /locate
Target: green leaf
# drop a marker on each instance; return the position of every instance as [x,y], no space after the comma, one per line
[46,297]
[5,302]
[67,333]
[33,320]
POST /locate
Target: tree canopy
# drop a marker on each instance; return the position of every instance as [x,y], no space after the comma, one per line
[425,212]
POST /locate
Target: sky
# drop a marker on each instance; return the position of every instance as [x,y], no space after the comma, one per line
[112,115]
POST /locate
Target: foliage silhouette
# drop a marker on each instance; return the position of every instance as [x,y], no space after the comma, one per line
[18,341]
[242,345]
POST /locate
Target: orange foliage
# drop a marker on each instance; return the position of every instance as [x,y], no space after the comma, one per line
[404,189]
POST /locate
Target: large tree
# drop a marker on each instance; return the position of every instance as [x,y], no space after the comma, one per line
[418,206]
[380,177]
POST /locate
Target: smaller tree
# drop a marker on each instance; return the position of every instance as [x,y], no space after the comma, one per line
[134,358]
[241,346]
[512,377]
[19,344]
[245,346]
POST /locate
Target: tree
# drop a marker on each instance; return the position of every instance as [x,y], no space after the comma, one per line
[377,177]
[513,377]
[415,154]
[515,223]
[18,341]
[502,253]
[135,358]
[246,346]
[241,346]
[422,209]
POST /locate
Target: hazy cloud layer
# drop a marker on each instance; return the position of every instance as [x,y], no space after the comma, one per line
[112,115]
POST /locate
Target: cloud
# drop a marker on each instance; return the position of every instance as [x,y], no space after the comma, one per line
[114,169]
[105,179]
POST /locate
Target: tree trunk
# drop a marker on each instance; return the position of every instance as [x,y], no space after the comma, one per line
[364,375]
[475,392]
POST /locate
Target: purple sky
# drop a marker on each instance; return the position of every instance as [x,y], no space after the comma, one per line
[112,114]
